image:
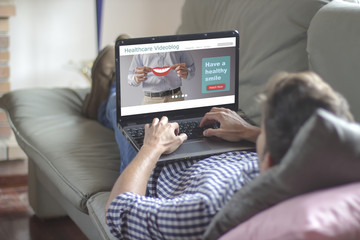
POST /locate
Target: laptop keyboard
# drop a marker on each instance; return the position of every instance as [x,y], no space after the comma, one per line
[137,134]
[191,128]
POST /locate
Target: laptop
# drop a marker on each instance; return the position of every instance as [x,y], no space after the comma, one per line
[211,61]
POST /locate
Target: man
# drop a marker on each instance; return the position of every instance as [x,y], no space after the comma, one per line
[183,197]
[178,200]
[161,74]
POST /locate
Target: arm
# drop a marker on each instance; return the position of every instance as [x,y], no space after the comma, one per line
[140,217]
[159,217]
[160,138]
[232,127]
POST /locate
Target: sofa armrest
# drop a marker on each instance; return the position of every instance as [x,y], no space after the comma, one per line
[78,155]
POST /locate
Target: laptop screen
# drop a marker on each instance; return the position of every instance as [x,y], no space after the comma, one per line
[168,74]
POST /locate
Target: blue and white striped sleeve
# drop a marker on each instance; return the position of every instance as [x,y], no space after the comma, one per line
[131,216]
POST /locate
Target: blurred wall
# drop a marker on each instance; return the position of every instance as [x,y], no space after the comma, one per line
[50,39]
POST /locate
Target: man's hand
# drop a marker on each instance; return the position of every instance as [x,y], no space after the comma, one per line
[141,74]
[181,70]
[232,127]
[163,135]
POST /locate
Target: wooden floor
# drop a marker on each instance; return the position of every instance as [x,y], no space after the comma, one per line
[17,219]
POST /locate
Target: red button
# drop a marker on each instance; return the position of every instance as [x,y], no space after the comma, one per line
[215,87]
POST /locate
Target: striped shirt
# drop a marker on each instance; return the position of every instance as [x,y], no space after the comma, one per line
[182,197]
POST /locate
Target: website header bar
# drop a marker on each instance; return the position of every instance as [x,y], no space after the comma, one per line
[177,46]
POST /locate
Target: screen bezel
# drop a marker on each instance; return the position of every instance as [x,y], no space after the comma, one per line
[147,117]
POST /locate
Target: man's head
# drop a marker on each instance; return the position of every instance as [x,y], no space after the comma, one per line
[288,101]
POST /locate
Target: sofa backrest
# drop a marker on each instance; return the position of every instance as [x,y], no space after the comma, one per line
[273,37]
[334,49]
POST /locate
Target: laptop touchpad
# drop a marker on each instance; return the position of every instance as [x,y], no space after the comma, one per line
[194,146]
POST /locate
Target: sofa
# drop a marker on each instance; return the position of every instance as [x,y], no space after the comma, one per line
[74,161]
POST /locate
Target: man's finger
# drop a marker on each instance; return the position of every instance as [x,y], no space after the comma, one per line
[141,75]
[139,70]
[164,120]
[143,69]
[183,137]
[179,68]
[174,66]
[210,117]
[147,69]
[218,109]
[213,132]
[155,121]
[175,126]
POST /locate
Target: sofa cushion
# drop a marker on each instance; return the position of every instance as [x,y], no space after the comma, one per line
[96,206]
[78,155]
[273,37]
[329,214]
[334,52]
[325,153]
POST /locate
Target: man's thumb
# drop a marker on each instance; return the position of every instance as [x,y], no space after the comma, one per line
[209,132]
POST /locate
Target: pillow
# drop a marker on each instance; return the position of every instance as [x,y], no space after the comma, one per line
[329,214]
[325,153]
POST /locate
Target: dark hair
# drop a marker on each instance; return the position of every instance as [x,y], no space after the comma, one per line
[289,100]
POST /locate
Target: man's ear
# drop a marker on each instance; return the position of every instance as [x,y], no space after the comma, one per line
[267,162]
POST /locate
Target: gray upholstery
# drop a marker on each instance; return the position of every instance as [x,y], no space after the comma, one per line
[74,161]
[96,205]
[52,132]
[334,49]
[272,37]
